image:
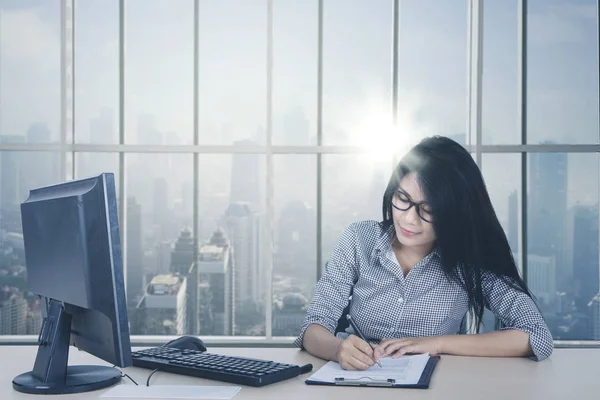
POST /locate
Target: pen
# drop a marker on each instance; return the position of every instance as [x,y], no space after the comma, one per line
[359,333]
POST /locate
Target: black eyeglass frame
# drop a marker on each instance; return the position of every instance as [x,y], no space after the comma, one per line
[410,205]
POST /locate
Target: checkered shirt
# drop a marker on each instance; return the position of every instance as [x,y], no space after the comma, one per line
[386,304]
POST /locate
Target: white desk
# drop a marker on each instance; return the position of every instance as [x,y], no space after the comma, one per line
[567,374]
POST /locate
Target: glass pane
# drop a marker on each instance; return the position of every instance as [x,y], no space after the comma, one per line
[159,242]
[562,259]
[19,172]
[353,187]
[502,174]
[295,73]
[232,71]
[562,73]
[357,80]
[500,123]
[232,223]
[295,247]
[432,70]
[97,71]
[159,71]
[30,71]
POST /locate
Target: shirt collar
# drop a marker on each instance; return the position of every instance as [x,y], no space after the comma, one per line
[387,236]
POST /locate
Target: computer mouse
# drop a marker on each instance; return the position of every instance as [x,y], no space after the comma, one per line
[187,343]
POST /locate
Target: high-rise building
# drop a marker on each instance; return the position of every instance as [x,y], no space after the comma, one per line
[594,310]
[163,309]
[217,302]
[182,256]
[164,250]
[295,239]
[288,318]
[135,252]
[13,311]
[547,209]
[245,177]
[243,230]
[182,263]
[160,198]
[585,254]
[541,274]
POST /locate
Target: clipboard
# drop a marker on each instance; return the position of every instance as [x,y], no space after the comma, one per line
[366,381]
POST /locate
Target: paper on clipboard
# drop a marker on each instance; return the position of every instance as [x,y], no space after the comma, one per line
[405,370]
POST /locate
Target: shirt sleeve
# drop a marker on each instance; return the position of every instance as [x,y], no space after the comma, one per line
[333,288]
[516,310]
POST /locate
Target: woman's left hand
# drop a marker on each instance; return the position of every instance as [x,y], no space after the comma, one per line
[399,347]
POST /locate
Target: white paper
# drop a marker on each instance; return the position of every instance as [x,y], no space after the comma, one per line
[126,391]
[405,370]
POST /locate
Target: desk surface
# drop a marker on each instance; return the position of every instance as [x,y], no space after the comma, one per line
[567,374]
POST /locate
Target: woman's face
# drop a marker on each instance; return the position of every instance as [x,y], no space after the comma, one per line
[413,228]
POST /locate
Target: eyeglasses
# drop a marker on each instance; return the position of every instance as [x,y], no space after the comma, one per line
[400,201]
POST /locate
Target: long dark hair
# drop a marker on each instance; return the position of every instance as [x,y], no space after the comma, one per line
[468,234]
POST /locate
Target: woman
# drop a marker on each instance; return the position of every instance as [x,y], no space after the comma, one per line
[438,254]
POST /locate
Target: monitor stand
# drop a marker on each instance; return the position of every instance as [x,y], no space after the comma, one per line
[51,373]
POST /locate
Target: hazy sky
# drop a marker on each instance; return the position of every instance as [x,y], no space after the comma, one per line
[562,79]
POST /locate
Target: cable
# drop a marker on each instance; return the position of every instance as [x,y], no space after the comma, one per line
[130,378]
[150,376]
[126,376]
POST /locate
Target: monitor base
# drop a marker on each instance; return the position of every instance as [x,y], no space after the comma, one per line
[79,379]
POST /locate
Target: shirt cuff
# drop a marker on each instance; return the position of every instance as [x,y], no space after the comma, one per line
[540,340]
[325,324]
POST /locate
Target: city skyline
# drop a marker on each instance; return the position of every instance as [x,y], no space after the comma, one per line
[156,222]
[259,196]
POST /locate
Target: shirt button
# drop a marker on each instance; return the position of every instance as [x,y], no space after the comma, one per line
[400,300]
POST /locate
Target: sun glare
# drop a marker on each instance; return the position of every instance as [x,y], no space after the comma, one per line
[381,140]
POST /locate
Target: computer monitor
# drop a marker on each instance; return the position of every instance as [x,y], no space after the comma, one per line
[74,263]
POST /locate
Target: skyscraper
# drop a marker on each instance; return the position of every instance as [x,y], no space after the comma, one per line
[217,305]
[243,229]
[163,309]
[182,256]
[585,254]
[245,179]
[135,252]
[547,208]
[183,264]
[13,312]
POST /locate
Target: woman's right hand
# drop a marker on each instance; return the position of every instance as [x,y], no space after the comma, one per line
[355,354]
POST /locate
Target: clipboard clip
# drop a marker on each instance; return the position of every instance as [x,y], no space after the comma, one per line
[361,382]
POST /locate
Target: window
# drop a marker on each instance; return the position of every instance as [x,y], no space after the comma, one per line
[250,134]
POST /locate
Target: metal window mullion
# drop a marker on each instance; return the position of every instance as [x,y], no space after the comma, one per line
[319,221]
[122,172]
[196,162]
[598,115]
[395,72]
[270,190]
[469,123]
[478,56]
[72,86]
[63,90]
[395,46]
[275,149]
[522,112]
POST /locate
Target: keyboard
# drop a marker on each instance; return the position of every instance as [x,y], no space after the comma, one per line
[237,370]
